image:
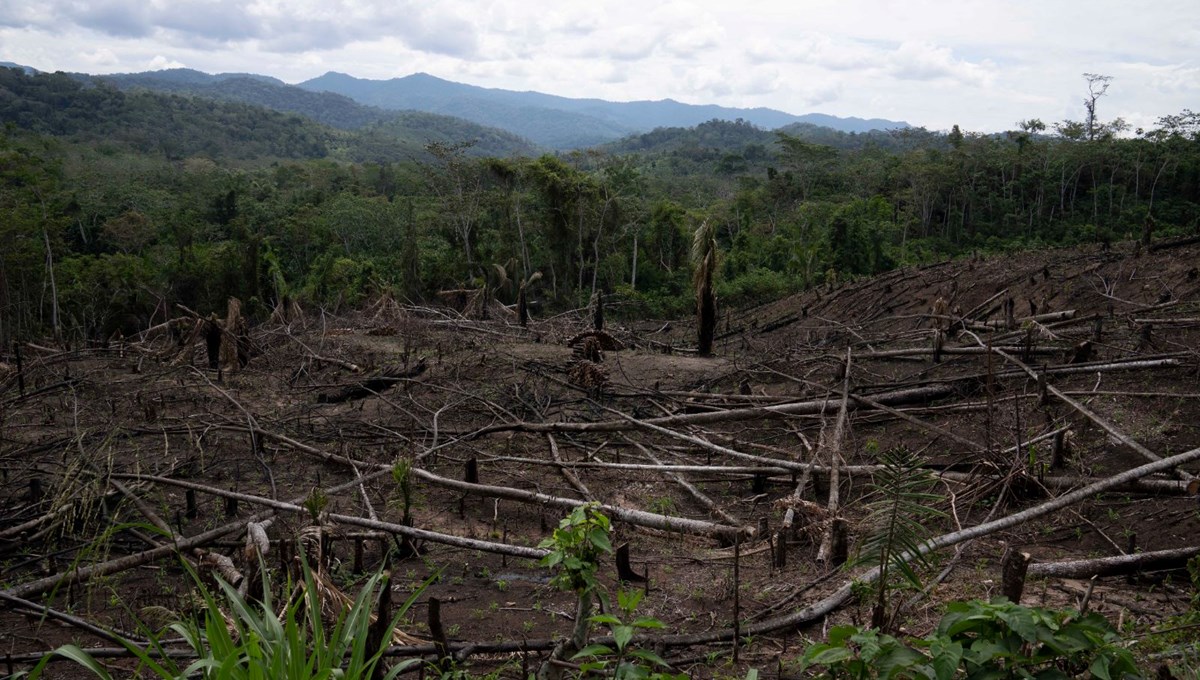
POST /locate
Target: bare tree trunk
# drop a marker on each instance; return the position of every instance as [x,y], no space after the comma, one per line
[834,447]
[53,286]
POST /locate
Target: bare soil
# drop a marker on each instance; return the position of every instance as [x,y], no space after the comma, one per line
[137,407]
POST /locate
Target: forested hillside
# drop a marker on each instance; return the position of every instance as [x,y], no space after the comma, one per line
[561,122]
[177,127]
[121,204]
[386,134]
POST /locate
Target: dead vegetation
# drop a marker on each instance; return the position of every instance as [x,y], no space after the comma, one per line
[1068,435]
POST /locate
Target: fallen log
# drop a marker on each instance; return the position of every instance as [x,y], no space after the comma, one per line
[1001,324]
[119,564]
[1123,438]
[639,517]
[386,379]
[831,602]
[1176,558]
[567,474]
[699,496]
[808,407]
[389,527]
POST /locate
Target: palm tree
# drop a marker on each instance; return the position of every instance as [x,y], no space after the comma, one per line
[704,259]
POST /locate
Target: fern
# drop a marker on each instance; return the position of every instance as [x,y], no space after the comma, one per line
[896,524]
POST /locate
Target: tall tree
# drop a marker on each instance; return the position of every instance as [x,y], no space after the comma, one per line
[1097,87]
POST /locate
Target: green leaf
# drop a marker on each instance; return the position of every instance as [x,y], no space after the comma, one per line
[74,653]
[832,655]
[647,622]
[1100,668]
[647,655]
[622,635]
[593,650]
[946,658]
[606,619]
[599,538]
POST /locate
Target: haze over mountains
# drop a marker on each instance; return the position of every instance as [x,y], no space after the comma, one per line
[559,122]
[547,121]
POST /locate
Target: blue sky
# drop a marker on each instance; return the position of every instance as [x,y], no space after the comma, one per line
[981,64]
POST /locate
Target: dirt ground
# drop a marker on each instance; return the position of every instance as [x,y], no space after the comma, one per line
[488,389]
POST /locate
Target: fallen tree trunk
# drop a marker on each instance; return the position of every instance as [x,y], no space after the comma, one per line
[808,407]
[699,496]
[120,564]
[895,397]
[389,527]
[1125,439]
[1116,565]
[639,517]
[570,476]
[837,598]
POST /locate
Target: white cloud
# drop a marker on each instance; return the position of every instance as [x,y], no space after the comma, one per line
[100,58]
[159,62]
[979,63]
[923,61]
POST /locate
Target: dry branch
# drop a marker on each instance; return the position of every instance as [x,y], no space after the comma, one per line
[641,518]
[571,477]
[838,597]
[699,496]
[1092,416]
[120,564]
[388,527]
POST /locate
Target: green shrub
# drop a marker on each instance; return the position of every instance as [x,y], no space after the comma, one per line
[977,640]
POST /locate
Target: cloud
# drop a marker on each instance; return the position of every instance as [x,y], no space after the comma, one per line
[923,61]
[706,82]
[759,81]
[978,63]
[815,50]
[101,57]
[159,62]
[283,25]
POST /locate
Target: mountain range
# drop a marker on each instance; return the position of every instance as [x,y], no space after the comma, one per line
[561,122]
[549,121]
[421,108]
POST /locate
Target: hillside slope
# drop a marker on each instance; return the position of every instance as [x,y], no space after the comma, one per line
[560,122]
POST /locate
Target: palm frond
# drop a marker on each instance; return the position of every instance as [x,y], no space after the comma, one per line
[898,516]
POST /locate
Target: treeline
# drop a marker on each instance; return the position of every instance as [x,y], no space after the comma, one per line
[100,238]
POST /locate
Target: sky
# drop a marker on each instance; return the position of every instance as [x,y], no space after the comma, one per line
[981,64]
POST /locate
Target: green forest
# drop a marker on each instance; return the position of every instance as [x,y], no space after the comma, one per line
[117,206]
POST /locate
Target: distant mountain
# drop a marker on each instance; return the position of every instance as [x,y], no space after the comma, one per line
[393,134]
[526,116]
[560,122]
[217,116]
[324,107]
[29,70]
[62,105]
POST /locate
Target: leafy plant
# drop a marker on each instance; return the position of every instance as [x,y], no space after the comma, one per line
[976,640]
[575,548]
[252,641]
[897,523]
[623,660]
[402,473]
[315,504]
